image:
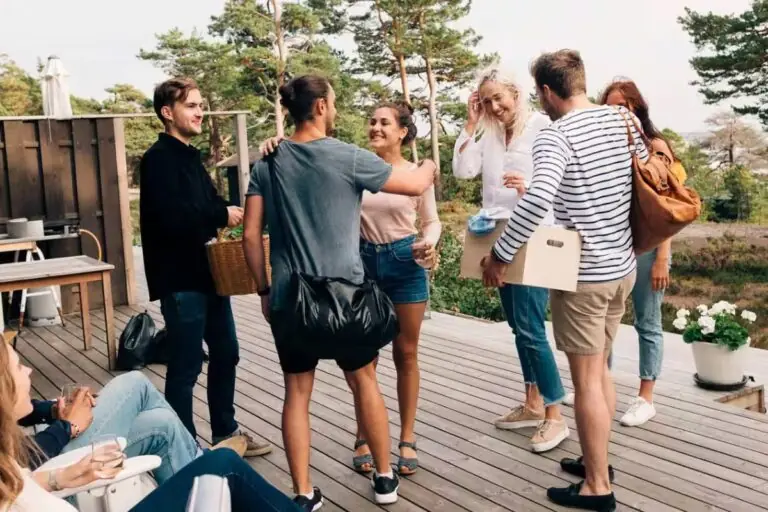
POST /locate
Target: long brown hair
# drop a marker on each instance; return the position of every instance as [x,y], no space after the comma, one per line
[13,449]
[637,104]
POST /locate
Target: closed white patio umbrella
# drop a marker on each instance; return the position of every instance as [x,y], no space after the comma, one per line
[55,90]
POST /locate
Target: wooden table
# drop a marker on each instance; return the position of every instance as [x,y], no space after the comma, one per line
[79,270]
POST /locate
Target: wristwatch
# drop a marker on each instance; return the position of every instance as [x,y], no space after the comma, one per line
[264,292]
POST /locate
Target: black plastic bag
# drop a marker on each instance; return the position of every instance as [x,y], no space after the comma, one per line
[135,344]
[332,316]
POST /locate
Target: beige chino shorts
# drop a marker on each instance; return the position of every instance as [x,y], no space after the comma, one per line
[585,322]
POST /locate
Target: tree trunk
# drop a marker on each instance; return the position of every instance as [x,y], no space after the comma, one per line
[280,42]
[433,124]
[407,97]
[215,144]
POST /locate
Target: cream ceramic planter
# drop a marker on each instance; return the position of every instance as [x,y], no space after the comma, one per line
[719,365]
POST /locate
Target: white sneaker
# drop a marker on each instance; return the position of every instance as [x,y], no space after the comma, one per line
[639,413]
[569,399]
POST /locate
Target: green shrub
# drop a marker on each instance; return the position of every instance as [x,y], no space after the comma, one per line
[452,294]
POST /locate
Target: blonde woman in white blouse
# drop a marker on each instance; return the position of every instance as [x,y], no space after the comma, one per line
[497,143]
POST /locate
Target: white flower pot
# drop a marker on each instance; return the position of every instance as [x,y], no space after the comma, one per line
[719,365]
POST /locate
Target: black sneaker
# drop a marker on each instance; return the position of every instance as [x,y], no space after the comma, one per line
[575,467]
[569,497]
[385,489]
[307,504]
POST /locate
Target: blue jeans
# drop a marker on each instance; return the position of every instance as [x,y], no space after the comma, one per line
[526,310]
[129,406]
[395,270]
[190,318]
[647,303]
[249,491]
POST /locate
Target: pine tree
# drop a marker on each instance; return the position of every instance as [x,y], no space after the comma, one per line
[732,60]
[447,57]
[384,33]
[275,40]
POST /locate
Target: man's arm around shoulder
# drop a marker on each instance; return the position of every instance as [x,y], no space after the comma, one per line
[411,183]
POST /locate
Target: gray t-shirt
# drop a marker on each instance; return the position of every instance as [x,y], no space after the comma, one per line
[319,190]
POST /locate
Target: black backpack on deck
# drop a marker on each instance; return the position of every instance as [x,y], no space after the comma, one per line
[135,346]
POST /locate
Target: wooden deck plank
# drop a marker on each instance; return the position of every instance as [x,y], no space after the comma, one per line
[343,451]
[693,508]
[497,346]
[99,356]
[503,388]
[698,457]
[726,502]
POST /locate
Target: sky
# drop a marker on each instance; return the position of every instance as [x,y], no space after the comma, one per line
[98,41]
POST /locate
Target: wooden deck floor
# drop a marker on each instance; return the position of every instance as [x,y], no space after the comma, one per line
[695,455]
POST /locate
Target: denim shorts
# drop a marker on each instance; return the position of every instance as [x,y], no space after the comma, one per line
[395,270]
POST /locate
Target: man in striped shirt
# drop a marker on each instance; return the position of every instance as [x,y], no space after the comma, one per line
[583,170]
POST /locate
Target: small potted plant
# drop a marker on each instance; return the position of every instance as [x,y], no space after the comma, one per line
[719,336]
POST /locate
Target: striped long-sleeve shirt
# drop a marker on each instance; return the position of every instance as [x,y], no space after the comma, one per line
[582,167]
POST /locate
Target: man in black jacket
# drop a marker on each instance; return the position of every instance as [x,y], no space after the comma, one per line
[181,211]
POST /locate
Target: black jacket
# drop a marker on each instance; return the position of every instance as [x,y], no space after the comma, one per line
[53,439]
[180,211]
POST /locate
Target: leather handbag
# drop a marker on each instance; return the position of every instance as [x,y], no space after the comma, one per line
[661,206]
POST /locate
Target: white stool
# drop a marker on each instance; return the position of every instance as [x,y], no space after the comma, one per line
[29,256]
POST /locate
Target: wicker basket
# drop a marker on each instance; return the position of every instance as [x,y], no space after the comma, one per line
[229,269]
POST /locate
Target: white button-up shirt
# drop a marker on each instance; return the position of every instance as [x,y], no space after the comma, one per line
[492,157]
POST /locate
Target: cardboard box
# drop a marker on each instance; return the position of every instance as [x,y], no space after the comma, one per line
[550,259]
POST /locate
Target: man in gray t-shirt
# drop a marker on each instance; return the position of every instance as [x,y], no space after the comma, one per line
[309,193]
[319,186]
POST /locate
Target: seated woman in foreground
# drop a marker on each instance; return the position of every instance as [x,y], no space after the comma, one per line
[24,491]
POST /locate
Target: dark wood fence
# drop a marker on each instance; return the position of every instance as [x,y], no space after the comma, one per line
[67,170]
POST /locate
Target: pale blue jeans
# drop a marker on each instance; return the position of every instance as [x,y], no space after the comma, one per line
[647,303]
[130,406]
[526,310]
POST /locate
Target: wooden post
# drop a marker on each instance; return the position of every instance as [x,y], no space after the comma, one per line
[243,162]
[125,210]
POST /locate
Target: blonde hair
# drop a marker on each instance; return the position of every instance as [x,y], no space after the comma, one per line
[13,442]
[505,77]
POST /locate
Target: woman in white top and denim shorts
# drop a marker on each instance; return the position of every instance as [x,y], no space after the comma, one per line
[497,143]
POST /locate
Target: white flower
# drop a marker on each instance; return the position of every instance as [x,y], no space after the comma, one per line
[680,323]
[702,309]
[749,316]
[707,324]
[723,307]
[683,313]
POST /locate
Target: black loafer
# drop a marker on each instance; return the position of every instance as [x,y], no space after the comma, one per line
[575,467]
[569,497]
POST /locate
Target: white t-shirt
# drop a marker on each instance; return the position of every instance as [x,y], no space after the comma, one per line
[34,498]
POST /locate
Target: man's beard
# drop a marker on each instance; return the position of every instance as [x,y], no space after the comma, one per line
[551,111]
[330,129]
[189,131]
